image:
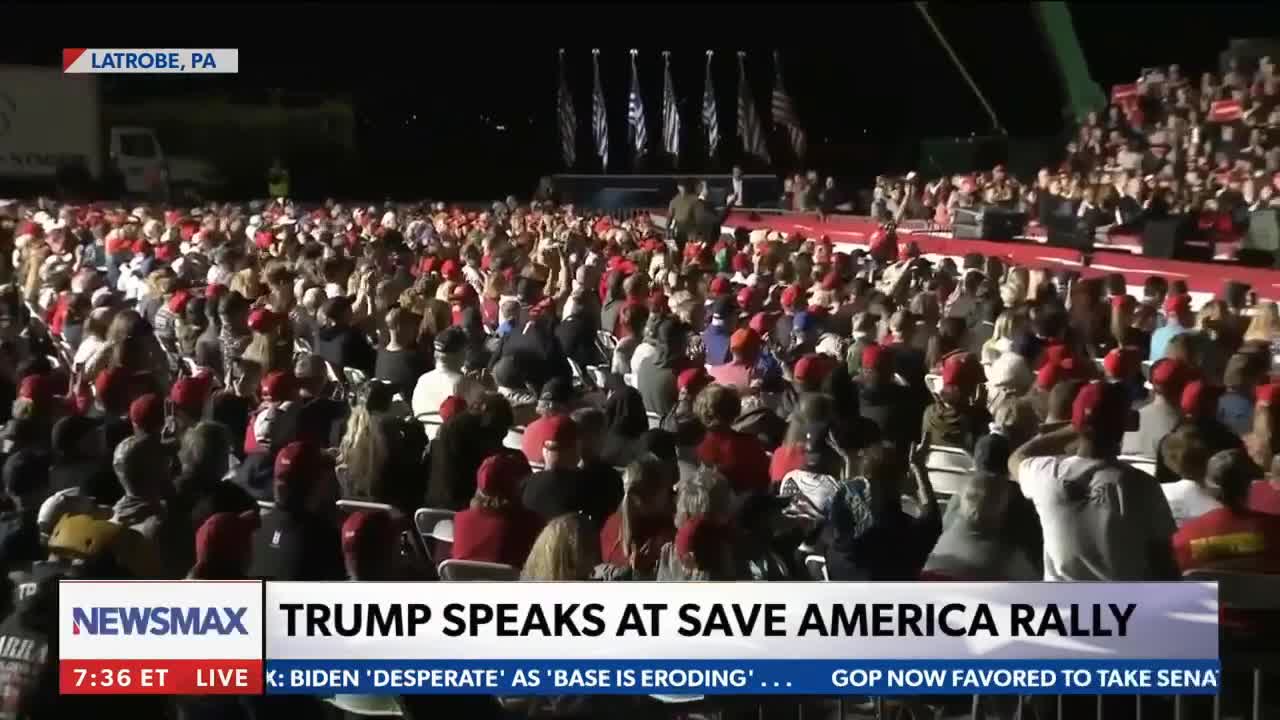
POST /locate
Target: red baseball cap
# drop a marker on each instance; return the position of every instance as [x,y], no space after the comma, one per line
[743,340]
[226,538]
[188,394]
[873,355]
[961,370]
[812,368]
[298,459]
[562,431]
[1177,304]
[1200,399]
[1121,363]
[791,296]
[38,388]
[147,412]
[178,302]
[693,379]
[500,475]
[277,386]
[263,320]
[746,296]
[719,285]
[741,263]
[1170,375]
[449,270]
[1102,407]
[368,530]
[762,323]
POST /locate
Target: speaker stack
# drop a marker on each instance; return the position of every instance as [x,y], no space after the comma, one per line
[987,223]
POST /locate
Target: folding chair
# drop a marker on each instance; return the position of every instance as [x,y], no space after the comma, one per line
[349,506]
[1138,462]
[470,570]
[434,524]
[514,439]
[949,469]
[816,565]
[431,422]
[933,382]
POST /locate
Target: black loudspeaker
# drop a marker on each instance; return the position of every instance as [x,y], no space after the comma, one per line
[1069,232]
[1002,224]
[1167,237]
[987,223]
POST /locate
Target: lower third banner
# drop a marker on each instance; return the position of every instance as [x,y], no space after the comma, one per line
[742,677]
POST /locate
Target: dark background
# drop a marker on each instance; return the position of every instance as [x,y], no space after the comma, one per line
[459,101]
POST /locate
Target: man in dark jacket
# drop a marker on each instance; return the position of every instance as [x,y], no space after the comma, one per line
[885,403]
[563,487]
[341,344]
[298,540]
[656,380]
[26,483]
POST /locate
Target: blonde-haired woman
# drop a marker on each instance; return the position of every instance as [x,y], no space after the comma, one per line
[1007,325]
[566,549]
[634,535]
[362,455]
[1264,328]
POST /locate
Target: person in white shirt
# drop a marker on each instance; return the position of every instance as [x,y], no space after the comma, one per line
[434,387]
[1102,520]
[94,339]
[1186,453]
[737,198]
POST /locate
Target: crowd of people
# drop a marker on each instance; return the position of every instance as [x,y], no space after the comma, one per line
[188,392]
[1164,145]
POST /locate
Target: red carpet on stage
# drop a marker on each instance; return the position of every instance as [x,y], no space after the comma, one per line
[854,230]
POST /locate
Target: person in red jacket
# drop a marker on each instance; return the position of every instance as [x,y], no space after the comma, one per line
[738,455]
[1232,537]
[497,528]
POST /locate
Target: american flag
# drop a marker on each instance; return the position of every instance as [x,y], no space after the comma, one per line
[568,120]
[599,115]
[635,114]
[670,114]
[784,113]
[710,120]
[749,128]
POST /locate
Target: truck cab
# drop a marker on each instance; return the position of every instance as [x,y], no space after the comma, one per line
[148,171]
[136,153]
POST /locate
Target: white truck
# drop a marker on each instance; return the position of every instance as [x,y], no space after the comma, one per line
[50,121]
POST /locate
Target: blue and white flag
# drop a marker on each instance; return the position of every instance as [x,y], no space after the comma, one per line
[710,118]
[635,114]
[568,120]
[599,115]
[670,113]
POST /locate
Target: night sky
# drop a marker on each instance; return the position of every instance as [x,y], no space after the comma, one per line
[867,80]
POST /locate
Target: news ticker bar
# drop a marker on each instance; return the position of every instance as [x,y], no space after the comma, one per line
[631,677]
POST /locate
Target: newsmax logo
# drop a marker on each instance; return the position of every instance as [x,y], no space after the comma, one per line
[162,620]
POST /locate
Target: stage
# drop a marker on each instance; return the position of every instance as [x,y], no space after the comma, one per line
[1203,279]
